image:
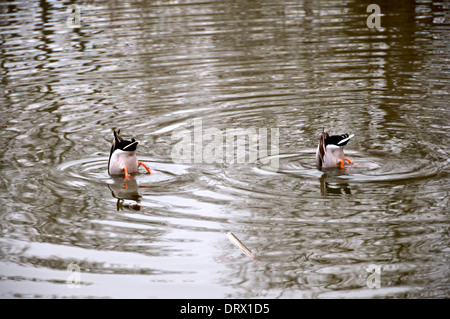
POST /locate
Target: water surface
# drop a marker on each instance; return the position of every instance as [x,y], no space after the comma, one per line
[152,68]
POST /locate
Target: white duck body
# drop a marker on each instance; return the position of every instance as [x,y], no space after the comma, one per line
[120,159]
[333,155]
[330,151]
[123,155]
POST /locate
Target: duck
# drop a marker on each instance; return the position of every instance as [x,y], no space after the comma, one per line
[122,158]
[330,151]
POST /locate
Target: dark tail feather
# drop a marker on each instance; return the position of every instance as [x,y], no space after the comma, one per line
[117,140]
[117,137]
[322,145]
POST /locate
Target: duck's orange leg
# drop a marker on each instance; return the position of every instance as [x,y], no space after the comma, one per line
[127,176]
[341,164]
[348,160]
[146,167]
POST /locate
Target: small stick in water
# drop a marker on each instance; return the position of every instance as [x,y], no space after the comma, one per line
[241,246]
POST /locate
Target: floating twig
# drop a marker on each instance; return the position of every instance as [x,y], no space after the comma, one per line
[241,246]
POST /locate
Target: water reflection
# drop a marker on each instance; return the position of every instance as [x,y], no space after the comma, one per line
[152,68]
[330,185]
[125,189]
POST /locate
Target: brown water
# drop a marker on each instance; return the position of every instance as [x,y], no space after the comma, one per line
[154,68]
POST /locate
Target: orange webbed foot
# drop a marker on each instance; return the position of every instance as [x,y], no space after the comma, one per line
[146,167]
[349,161]
[127,176]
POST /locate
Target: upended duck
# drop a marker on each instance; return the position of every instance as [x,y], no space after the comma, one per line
[330,152]
[122,158]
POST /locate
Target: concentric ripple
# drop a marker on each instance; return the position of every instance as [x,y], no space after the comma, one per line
[95,168]
[367,168]
[151,68]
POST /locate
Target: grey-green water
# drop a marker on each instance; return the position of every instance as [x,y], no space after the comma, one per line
[153,68]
